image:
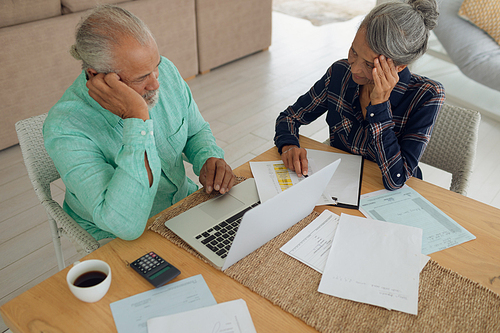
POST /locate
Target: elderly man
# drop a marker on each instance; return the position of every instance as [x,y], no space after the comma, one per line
[119,133]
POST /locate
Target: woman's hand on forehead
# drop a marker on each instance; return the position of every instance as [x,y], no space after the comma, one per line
[385,78]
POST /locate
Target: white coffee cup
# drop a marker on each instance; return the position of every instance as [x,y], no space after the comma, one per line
[93,293]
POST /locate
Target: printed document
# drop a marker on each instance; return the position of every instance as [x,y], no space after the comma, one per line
[374,262]
[406,206]
[131,314]
[312,244]
[228,317]
[273,177]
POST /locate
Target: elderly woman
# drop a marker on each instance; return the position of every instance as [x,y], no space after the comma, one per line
[375,106]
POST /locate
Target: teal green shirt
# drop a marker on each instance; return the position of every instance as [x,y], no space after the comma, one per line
[100,156]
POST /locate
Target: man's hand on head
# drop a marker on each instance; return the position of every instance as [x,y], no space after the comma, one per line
[116,97]
[216,175]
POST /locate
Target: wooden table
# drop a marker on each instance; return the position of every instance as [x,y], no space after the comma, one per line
[50,306]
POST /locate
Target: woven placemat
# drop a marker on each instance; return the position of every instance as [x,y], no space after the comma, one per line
[448,302]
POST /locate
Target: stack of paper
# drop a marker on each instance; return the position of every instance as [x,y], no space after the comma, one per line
[184,306]
[363,260]
[228,317]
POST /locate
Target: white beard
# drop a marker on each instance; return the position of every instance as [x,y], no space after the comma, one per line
[151,98]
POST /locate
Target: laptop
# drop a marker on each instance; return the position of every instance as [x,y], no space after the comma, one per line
[227,228]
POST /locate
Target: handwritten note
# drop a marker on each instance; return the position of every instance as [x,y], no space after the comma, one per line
[406,206]
[228,317]
[374,262]
[312,244]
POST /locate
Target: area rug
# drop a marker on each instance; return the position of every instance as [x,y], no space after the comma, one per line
[321,12]
[448,302]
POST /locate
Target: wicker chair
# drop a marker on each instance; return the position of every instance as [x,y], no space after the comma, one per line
[42,172]
[452,147]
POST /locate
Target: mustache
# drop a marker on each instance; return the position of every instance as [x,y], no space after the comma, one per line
[149,94]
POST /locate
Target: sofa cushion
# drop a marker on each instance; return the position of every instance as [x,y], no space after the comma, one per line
[72,6]
[475,53]
[22,11]
[485,14]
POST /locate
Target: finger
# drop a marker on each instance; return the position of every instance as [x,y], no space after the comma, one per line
[394,71]
[287,160]
[376,78]
[220,170]
[297,167]
[112,80]
[305,165]
[209,174]
[228,177]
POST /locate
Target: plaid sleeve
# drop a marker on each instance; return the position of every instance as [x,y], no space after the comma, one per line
[306,109]
[398,157]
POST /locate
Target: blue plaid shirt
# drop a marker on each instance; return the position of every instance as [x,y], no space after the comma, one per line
[394,134]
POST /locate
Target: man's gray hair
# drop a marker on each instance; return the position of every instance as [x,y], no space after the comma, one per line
[400,31]
[99,32]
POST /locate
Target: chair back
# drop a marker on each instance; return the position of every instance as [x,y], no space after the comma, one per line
[41,168]
[453,143]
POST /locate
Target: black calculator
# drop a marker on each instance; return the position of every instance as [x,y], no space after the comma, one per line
[155,269]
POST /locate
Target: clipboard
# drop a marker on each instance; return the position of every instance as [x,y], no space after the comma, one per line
[344,189]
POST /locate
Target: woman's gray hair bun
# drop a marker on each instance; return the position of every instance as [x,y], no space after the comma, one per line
[428,10]
[400,30]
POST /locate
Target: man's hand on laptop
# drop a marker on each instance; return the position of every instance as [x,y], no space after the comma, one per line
[216,175]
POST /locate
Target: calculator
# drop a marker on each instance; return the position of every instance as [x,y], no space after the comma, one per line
[155,269]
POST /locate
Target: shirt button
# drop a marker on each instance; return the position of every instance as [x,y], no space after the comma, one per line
[143,132]
[372,114]
[151,132]
[398,175]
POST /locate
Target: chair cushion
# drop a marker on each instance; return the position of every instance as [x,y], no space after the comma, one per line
[485,14]
[22,11]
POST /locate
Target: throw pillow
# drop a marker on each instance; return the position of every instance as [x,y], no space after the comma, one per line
[485,14]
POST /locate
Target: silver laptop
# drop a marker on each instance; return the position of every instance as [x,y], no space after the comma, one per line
[227,228]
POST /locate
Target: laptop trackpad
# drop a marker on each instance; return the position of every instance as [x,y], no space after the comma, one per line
[222,206]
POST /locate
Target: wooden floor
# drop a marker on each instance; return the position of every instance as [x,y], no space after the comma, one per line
[241,100]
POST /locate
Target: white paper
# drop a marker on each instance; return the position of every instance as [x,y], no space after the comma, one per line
[312,244]
[406,206]
[131,314]
[374,262]
[228,317]
[345,183]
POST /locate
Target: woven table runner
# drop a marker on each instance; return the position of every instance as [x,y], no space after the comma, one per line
[448,302]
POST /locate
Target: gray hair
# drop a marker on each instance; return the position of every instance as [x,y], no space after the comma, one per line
[400,31]
[103,29]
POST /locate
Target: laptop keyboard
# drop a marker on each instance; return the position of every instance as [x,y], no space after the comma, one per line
[220,237]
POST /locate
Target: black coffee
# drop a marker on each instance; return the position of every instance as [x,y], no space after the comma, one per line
[90,279]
